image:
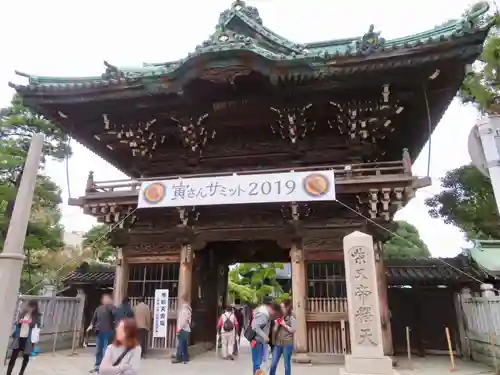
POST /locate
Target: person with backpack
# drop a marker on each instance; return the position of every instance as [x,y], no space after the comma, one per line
[227,326]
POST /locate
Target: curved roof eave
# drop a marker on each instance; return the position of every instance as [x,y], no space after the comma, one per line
[228,39]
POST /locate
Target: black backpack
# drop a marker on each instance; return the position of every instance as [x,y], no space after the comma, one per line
[228,324]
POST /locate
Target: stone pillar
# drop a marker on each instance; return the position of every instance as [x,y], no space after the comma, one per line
[185,274]
[121,277]
[299,296]
[367,352]
[385,315]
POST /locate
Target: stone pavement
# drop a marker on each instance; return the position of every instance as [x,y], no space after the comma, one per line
[61,363]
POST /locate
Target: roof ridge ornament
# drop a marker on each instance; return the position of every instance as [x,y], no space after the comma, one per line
[370,42]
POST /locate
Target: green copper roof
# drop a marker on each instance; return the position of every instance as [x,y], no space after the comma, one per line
[486,253]
[240,29]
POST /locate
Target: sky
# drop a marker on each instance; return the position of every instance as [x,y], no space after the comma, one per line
[73,38]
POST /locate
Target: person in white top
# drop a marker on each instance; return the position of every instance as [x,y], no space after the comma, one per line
[227,326]
[183,330]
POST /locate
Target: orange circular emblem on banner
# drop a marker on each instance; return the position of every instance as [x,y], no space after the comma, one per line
[154,193]
[316,185]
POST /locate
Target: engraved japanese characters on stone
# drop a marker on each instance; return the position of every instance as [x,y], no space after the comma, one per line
[364,314]
[366,337]
[358,255]
[362,292]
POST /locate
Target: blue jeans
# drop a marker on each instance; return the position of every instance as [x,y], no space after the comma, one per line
[257,351]
[182,354]
[101,343]
[286,351]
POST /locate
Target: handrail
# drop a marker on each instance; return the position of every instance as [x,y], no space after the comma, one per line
[341,170]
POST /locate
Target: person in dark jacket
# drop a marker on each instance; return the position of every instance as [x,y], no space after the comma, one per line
[103,322]
[124,311]
[28,319]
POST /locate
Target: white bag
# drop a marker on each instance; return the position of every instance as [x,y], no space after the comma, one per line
[35,334]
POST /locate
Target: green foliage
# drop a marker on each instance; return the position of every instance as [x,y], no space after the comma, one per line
[18,125]
[251,282]
[97,241]
[397,247]
[481,87]
[467,201]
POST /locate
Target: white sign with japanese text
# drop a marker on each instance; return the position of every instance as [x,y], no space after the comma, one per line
[160,313]
[238,189]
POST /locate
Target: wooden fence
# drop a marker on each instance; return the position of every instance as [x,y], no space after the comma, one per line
[481,326]
[61,320]
[327,326]
[169,341]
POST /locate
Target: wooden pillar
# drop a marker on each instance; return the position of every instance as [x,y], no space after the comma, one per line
[385,315]
[121,277]
[185,275]
[299,295]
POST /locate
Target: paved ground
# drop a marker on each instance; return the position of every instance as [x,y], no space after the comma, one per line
[62,363]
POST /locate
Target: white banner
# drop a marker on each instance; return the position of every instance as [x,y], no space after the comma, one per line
[239,189]
[160,313]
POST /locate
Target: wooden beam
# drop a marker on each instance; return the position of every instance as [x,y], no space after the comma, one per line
[326,316]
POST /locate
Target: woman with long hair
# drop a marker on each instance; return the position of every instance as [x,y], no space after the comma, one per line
[123,356]
[28,319]
[282,334]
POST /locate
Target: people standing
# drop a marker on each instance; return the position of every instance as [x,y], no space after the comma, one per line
[103,322]
[262,316]
[183,330]
[238,314]
[124,310]
[228,326]
[282,334]
[123,356]
[28,319]
[142,315]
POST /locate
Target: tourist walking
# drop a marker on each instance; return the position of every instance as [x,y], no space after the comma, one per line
[258,332]
[282,335]
[23,336]
[183,330]
[103,322]
[142,315]
[240,319]
[123,356]
[124,310]
[227,326]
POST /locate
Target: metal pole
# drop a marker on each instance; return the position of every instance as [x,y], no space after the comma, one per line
[12,257]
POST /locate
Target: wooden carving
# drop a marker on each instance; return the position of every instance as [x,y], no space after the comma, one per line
[296,254]
[187,254]
[153,248]
[318,243]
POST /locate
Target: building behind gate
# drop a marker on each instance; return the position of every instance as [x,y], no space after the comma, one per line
[250,105]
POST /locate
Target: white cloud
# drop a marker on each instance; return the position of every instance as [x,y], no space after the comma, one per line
[61,38]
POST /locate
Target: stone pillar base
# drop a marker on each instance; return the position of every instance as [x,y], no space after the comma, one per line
[355,365]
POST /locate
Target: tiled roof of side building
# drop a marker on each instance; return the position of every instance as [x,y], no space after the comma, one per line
[460,269]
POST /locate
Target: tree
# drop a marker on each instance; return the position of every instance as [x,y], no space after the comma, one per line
[482,86]
[467,201]
[398,246]
[251,282]
[97,241]
[18,125]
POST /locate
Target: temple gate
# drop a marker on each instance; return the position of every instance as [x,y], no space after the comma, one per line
[247,101]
